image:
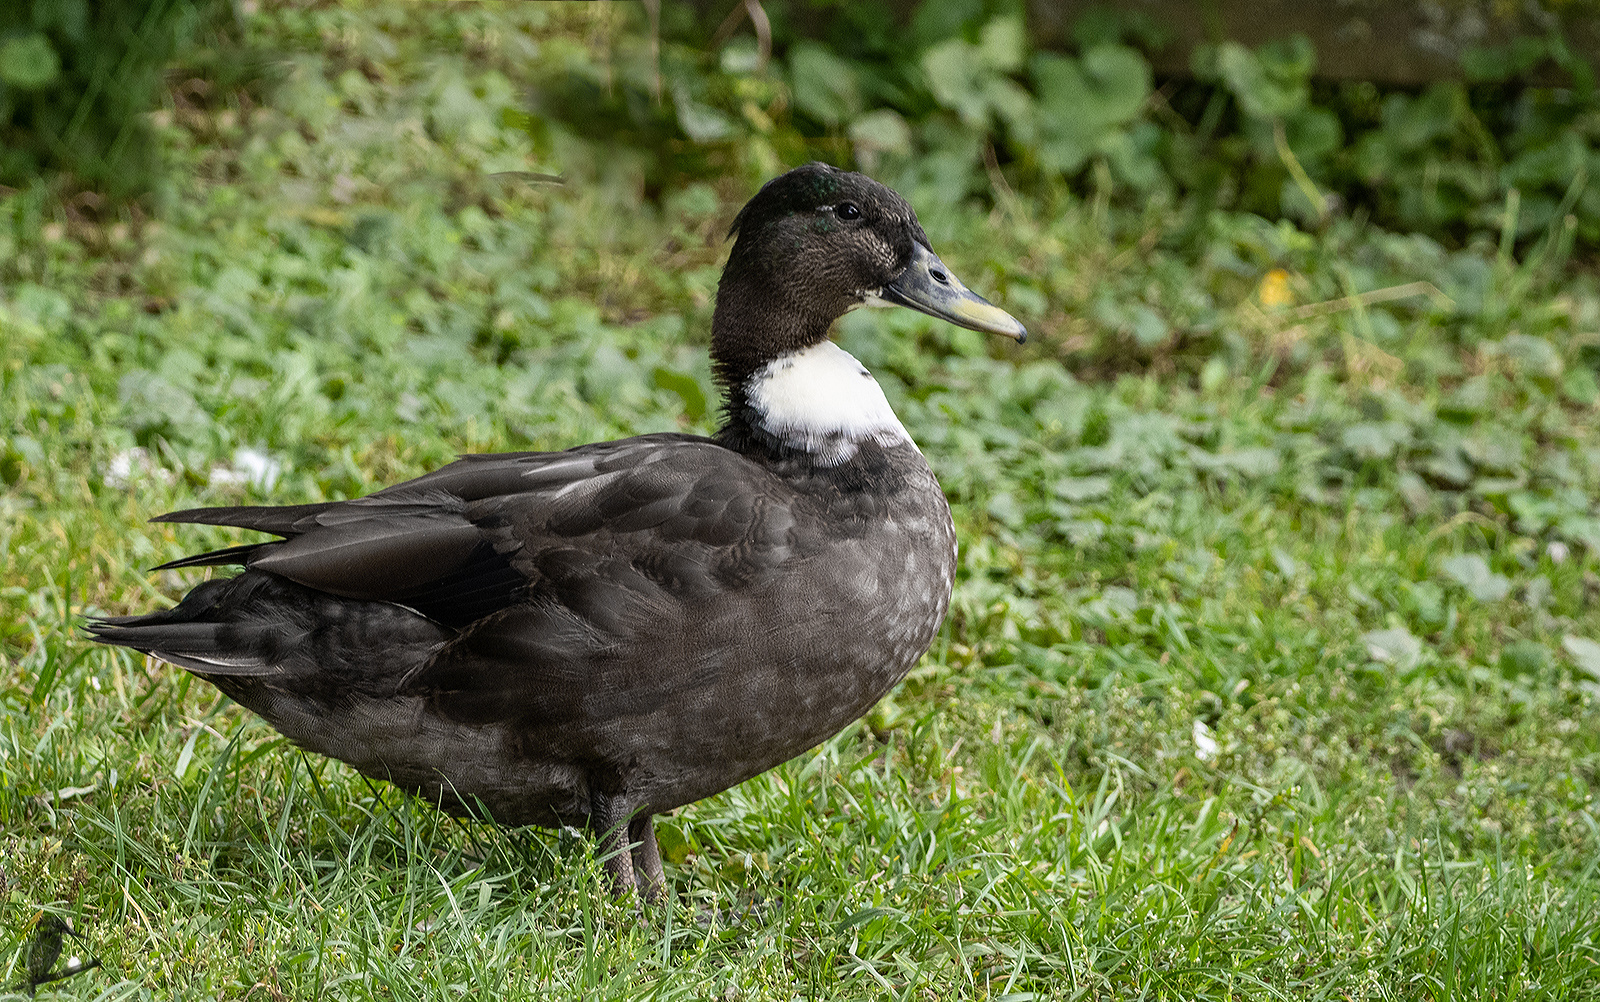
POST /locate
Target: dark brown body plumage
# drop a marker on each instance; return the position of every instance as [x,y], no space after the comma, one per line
[672,618]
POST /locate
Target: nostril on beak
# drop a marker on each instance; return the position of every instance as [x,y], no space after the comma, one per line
[939,276]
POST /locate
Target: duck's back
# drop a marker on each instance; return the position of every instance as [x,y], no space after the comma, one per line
[663,614]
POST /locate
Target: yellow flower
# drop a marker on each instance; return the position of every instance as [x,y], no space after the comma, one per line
[1274,289]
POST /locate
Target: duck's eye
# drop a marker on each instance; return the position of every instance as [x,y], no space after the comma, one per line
[846,210]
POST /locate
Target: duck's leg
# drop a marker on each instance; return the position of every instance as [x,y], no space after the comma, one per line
[647,859]
[609,818]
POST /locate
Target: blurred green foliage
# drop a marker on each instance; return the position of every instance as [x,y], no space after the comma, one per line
[78,76]
[945,105]
[956,102]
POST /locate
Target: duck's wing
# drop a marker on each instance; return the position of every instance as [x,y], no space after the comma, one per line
[573,580]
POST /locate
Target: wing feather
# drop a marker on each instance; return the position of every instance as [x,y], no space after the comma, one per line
[573,580]
[375,558]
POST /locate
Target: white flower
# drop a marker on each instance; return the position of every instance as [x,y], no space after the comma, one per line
[1205,746]
[250,466]
[130,465]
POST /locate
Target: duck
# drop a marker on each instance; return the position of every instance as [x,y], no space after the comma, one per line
[593,637]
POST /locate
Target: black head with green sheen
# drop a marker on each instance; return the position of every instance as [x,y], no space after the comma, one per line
[819,241]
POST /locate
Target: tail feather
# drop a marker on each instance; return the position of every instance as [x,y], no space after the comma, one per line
[232,555]
[194,646]
[201,634]
[278,520]
[261,625]
[212,648]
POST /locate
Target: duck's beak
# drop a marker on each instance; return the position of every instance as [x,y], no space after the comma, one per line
[927,285]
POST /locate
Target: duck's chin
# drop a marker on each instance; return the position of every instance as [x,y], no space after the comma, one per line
[872,298]
[821,401]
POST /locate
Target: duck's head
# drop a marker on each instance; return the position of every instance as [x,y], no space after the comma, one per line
[817,242]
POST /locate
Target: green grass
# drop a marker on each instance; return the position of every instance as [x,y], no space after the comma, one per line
[1355,550]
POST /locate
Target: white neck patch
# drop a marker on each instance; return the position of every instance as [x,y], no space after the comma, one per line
[822,401]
